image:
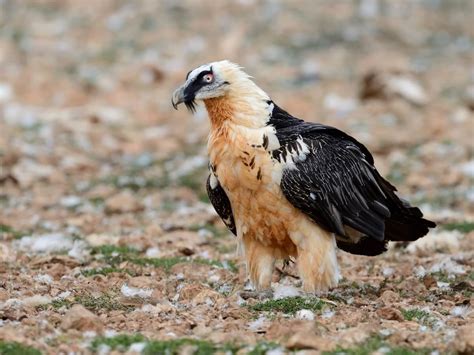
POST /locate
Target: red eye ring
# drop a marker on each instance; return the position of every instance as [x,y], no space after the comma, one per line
[208,78]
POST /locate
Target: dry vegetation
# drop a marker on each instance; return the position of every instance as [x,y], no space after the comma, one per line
[107,240]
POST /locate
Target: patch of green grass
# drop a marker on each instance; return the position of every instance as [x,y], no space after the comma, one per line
[441,276]
[415,313]
[113,249]
[14,348]
[119,342]
[463,227]
[114,255]
[10,231]
[123,342]
[97,201]
[172,347]
[262,348]
[103,302]
[56,304]
[374,344]
[289,305]
[165,263]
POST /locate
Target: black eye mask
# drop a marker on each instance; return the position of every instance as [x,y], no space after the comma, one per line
[193,88]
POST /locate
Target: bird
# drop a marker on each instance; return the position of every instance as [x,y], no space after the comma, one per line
[290,189]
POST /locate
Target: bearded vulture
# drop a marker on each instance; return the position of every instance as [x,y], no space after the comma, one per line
[290,188]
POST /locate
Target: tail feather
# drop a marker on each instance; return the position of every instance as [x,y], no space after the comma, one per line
[408,225]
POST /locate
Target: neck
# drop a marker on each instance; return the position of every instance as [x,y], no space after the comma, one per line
[248,109]
[220,110]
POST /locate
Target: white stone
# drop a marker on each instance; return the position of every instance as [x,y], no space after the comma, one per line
[305,314]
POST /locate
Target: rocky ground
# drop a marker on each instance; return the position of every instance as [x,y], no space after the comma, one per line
[108,243]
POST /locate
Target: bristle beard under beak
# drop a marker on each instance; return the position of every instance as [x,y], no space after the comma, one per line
[190,105]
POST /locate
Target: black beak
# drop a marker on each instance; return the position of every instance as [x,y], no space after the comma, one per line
[178,97]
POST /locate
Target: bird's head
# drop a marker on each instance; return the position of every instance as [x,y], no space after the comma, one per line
[216,79]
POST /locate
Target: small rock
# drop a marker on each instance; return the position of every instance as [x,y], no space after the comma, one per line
[80,318]
[282,291]
[96,240]
[36,300]
[464,341]
[153,252]
[388,84]
[390,313]
[130,291]
[389,297]
[206,296]
[190,291]
[305,314]
[429,281]
[469,97]
[46,243]
[123,202]
[6,92]
[259,324]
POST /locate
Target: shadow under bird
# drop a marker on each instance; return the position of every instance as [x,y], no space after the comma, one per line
[290,188]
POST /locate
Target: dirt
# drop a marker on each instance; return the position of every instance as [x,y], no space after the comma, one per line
[108,242]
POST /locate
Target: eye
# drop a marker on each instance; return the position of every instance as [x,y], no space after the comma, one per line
[208,78]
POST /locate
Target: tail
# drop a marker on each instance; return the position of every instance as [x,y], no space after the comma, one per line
[407,224]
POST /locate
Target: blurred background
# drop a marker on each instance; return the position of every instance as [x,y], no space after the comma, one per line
[85,91]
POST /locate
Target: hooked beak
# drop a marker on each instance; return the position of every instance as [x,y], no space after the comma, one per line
[178,97]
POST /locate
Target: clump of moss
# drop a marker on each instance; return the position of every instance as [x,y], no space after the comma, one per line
[376,344]
[103,302]
[119,342]
[289,305]
[8,231]
[415,313]
[114,255]
[464,226]
[14,348]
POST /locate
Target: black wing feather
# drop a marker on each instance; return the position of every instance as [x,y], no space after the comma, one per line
[338,186]
[221,204]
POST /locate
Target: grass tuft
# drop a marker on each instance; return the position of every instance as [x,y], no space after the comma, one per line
[103,302]
[113,256]
[6,230]
[263,348]
[376,344]
[463,227]
[415,313]
[200,347]
[14,348]
[123,342]
[118,342]
[289,305]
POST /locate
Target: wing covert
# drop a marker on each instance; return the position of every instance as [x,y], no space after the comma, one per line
[337,187]
[220,202]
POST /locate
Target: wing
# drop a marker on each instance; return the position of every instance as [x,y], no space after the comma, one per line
[221,202]
[337,185]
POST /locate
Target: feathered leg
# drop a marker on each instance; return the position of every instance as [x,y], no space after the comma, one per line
[317,261]
[260,263]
